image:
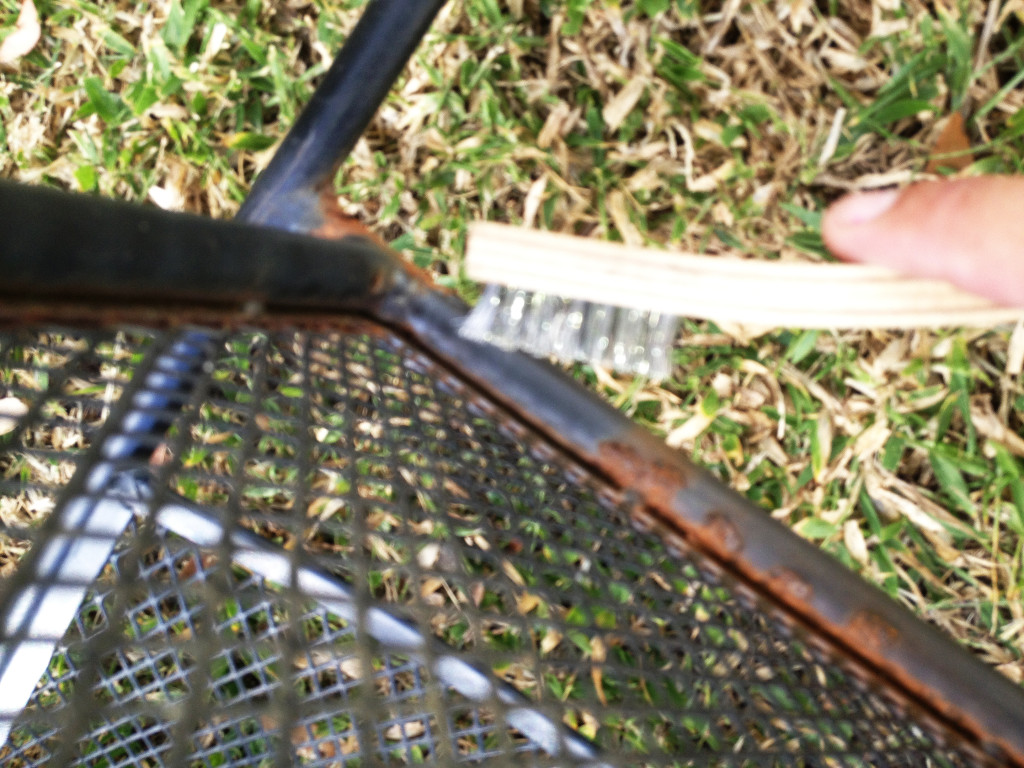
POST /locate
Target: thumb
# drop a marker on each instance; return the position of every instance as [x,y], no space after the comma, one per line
[967,231]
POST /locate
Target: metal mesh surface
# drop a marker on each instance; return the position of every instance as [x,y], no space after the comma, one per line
[338,554]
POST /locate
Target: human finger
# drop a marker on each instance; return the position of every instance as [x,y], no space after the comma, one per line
[967,231]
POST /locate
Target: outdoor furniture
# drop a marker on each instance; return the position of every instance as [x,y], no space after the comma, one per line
[295,519]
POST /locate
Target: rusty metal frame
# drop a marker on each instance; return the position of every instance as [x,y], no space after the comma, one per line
[244,275]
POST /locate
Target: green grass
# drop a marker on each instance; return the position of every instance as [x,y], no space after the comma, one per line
[878,446]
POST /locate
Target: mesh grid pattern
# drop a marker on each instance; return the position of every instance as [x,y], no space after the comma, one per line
[63,383]
[156,663]
[353,456]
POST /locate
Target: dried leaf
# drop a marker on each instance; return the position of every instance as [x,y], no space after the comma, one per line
[534,197]
[799,12]
[710,181]
[429,555]
[821,447]
[952,147]
[1012,671]
[454,488]
[169,110]
[431,585]
[844,61]
[689,429]
[616,205]
[24,37]
[166,198]
[1015,352]
[11,409]
[553,125]
[597,676]
[872,440]
[989,425]
[324,507]
[853,537]
[412,729]
[828,149]
[477,592]
[526,602]
[351,667]
[894,505]
[622,103]
[550,641]
[514,575]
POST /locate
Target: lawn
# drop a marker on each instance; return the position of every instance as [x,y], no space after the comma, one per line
[720,128]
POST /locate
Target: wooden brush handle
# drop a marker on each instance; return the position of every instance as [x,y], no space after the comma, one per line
[723,289]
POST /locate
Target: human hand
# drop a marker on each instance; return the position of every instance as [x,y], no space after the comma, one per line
[967,231]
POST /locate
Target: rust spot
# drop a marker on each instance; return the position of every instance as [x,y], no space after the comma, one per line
[513,546]
[188,568]
[378,283]
[337,225]
[871,631]
[790,583]
[657,481]
[722,529]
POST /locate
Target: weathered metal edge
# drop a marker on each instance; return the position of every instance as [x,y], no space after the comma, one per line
[874,634]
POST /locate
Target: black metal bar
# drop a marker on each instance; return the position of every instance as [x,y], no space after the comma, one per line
[286,194]
[55,245]
[879,637]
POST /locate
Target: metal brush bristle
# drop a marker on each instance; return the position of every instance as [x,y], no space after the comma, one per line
[623,339]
